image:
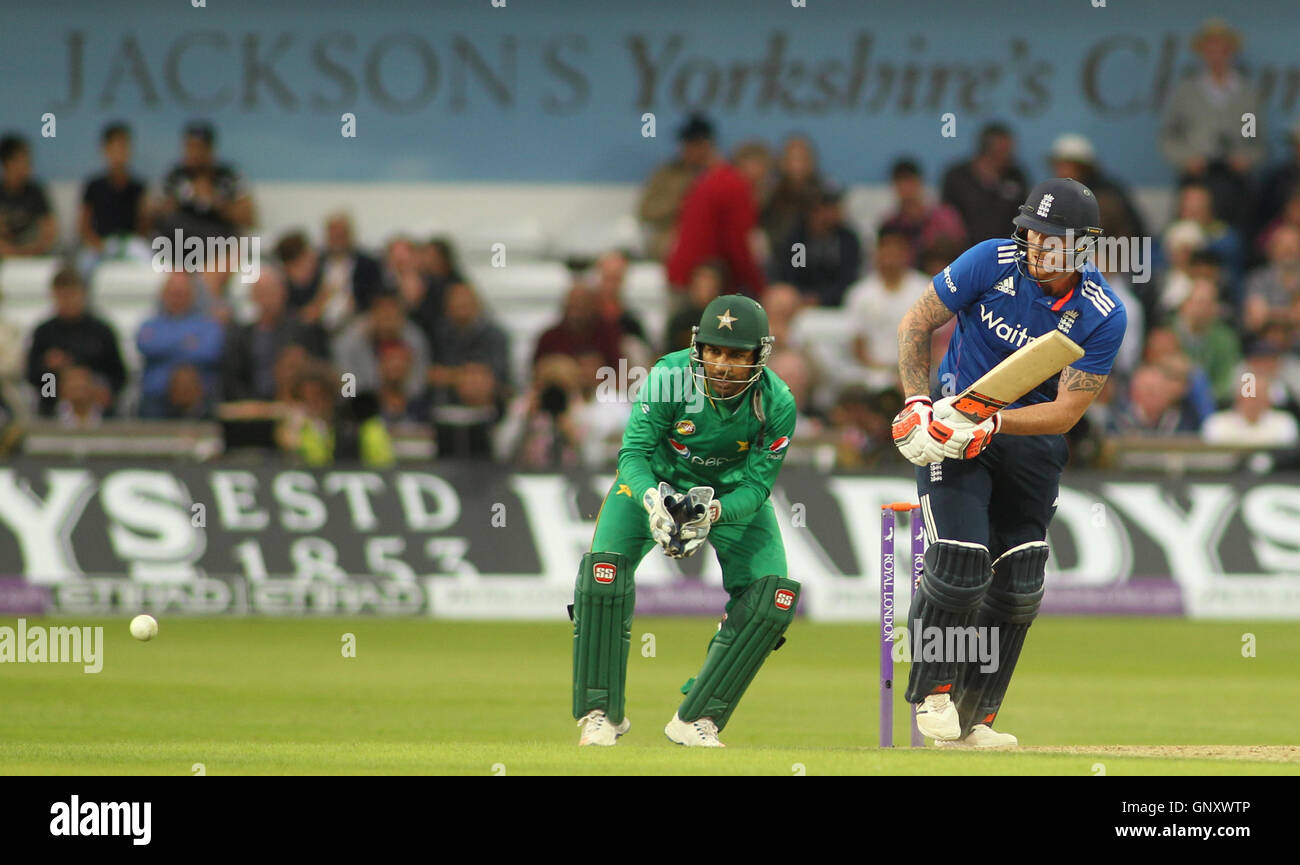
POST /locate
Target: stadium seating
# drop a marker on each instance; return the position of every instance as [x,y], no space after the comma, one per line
[533,220]
[25,289]
[124,280]
[541,224]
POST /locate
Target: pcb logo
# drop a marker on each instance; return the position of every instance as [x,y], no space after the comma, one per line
[685,427]
[784,599]
[604,572]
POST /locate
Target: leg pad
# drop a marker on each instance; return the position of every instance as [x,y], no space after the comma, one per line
[956,577]
[1010,607]
[753,629]
[602,633]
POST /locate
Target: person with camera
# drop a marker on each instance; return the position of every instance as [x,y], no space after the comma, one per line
[543,428]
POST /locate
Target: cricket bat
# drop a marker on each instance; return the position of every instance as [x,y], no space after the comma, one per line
[1018,374]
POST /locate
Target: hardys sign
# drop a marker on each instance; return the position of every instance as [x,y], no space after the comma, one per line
[467,541]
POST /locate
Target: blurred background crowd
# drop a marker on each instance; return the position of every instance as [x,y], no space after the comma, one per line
[336,349]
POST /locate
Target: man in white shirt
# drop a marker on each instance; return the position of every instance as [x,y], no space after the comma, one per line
[1252,420]
[78,408]
[877,304]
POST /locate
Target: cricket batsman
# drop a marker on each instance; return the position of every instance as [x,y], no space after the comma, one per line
[989,490]
[708,434]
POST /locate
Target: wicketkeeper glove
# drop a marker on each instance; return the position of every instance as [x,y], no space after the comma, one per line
[697,513]
[962,438]
[913,435]
[663,528]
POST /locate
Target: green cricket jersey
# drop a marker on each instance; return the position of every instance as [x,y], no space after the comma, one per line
[678,435]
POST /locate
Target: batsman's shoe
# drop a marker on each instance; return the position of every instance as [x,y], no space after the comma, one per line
[937,718]
[700,733]
[981,736]
[597,729]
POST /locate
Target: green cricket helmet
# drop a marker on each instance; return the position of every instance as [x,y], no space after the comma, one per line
[731,321]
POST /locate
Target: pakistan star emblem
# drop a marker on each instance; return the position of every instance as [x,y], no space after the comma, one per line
[726,319]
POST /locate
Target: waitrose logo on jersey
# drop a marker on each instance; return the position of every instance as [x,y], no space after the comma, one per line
[1013,334]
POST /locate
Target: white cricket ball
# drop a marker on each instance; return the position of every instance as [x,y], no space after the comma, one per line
[144,627]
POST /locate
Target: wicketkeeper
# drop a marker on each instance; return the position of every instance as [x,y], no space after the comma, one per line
[708,434]
[988,491]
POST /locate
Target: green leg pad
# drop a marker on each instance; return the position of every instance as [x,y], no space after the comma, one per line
[751,631]
[602,633]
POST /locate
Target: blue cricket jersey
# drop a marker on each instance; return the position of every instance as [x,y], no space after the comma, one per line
[999,310]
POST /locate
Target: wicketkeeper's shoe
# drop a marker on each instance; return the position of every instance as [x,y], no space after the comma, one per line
[937,718]
[981,736]
[700,733]
[597,729]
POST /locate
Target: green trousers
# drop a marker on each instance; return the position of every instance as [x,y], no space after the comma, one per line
[747,550]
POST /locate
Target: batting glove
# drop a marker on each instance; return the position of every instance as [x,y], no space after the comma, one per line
[962,439]
[912,432]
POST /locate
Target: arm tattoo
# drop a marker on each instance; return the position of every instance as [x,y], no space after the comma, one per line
[925,316]
[1087,382]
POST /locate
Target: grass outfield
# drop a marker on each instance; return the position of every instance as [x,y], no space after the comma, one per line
[267,696]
